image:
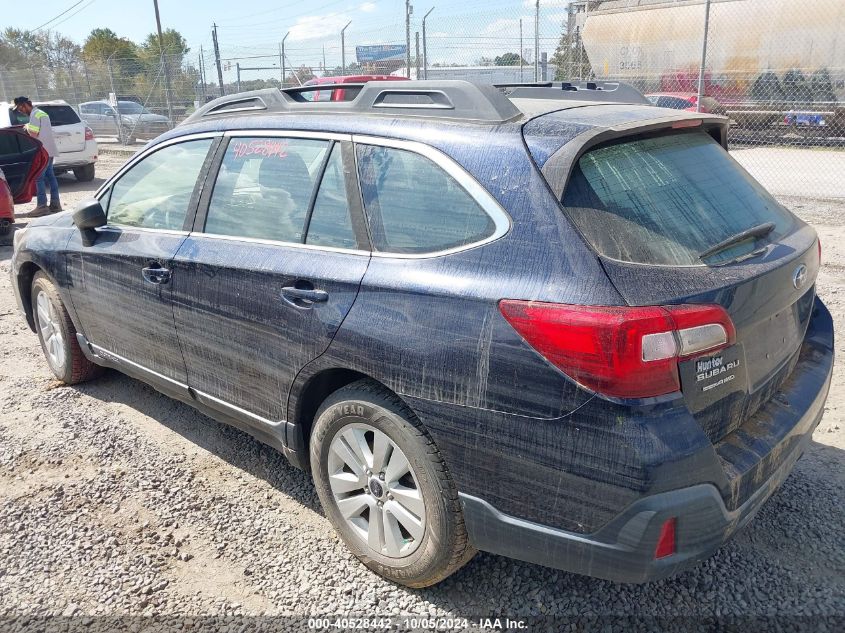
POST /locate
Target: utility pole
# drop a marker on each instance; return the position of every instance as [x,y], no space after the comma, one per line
[537,41]
[521,50]
[417,56]
[408,10]
[703,56]
[217,59]
[425,50]
[281,67]
[238,74]
[342,47]
[167,95]
[202,73]
[284,59]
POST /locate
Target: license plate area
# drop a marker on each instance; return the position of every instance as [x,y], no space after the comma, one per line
[710,378]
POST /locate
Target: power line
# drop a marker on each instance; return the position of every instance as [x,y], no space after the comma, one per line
[75,4]
[79,10]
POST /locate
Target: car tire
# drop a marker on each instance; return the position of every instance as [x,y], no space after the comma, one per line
[419,526]
[85,173]
[57,334]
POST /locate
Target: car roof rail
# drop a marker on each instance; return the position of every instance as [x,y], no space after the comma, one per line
[444,99]
[603,91]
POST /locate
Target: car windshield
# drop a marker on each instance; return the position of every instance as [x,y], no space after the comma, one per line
[668,199]
[130,107]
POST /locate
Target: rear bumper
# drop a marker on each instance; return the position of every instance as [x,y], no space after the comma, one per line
[68,160]
[764,450]
[623,550]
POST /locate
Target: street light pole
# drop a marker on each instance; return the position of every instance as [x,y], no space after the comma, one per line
[343,47]
[537,41]
[703,57]
[283,58]
[425,49]
[164,64]
[408,11]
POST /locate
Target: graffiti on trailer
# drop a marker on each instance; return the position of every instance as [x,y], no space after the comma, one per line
[264,147]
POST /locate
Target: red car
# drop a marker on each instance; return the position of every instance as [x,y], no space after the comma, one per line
[685,101]
[341,94]
[22,159]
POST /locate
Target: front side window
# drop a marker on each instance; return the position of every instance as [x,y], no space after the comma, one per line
[264,187]
[414,206]
[156,192]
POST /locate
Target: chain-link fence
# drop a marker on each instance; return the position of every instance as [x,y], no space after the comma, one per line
[777,69]
[123,98]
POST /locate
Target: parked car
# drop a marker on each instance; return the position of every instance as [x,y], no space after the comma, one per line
[75,141]
[135,121]
[343,94]
[540,324]
[685,101]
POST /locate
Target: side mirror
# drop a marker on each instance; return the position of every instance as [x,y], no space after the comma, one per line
[88,216]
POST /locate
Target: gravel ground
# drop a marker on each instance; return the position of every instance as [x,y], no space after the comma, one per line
[116,501]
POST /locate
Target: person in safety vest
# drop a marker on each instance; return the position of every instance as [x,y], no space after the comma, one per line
[39,126]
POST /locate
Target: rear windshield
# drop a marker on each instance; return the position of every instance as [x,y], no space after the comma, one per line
[60,114]
[665,200]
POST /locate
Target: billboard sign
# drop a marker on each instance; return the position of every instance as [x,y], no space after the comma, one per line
[380,53]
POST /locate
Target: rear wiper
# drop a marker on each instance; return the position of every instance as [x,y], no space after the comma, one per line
[761,230]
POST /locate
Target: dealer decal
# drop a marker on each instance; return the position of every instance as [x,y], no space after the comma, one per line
[716,367]
[262,147]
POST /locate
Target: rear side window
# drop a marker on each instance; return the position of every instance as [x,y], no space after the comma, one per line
[330,223]
[414,206]
[60,114]
[264,187]
[666,200]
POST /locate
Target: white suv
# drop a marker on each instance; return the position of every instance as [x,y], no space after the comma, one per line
[77,147]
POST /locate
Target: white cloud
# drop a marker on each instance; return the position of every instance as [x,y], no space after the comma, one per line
[314,27]
[368,7]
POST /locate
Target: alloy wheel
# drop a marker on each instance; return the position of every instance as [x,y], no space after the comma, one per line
[50,330]
[376,490]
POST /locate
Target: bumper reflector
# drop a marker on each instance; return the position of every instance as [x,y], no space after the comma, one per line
[666,542]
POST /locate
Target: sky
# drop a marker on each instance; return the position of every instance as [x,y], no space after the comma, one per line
[250,32]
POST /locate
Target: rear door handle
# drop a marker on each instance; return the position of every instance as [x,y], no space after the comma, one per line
[156,275]
[297,296]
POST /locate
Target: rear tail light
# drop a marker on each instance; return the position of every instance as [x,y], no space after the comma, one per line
[620,351]
[666,541]
[89,134]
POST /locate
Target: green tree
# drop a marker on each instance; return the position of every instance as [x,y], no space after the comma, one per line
[509,59]
[27,43]
[175,46]
[570,57]
[104,43]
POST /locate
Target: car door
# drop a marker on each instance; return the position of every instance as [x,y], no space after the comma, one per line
[257,293]
[20,162]
[121,285]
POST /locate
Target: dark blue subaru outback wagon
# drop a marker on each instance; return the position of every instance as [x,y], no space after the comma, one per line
[550,322]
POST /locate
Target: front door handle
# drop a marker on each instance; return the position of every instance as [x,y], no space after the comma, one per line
[156,275]
[301,297]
